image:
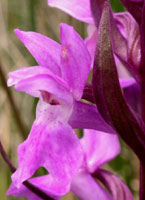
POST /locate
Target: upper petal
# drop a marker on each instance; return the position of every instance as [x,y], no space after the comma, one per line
[75,60]
[99,148]
[51,144]
[45,50]
[86,187]
[33,80]
[79,9]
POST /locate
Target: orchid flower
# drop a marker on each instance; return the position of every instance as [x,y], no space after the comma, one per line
[58,82]
[98,148]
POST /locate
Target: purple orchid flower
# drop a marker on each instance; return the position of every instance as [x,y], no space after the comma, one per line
[98,148]
[59,82]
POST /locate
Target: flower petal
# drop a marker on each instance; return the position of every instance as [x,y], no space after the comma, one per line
[85,187]
[41,182]
[28,80]
[51,144]
[75,60]
[85,116]
[91,40]
[132,95]
[43,49]
[77,9]
[99,148]
[130,30]
[126,82]
[119,190]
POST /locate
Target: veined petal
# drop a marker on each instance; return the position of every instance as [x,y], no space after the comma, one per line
[130,30]
[79,9]
[85,187]
[99,148]
[33,80]
[51,144]
[75,60]
[119,190]
[45,50]
[85,116]
[41,182]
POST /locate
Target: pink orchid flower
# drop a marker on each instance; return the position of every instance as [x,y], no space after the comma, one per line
[58,82]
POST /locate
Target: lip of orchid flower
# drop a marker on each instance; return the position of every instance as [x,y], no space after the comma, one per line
[83,184]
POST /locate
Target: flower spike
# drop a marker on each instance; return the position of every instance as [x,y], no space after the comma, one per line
[107,92]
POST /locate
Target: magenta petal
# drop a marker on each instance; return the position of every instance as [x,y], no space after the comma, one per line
[43,49]
[85,116]
[85,187]
[126,82]
[78,9]
[41,182]
[28,80]
[91,40]
[99,148]
[51,144]
[132,95]
[75,60]
[119,190]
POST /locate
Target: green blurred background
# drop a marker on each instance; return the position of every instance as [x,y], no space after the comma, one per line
[35,15]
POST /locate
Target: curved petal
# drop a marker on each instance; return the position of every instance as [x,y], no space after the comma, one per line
[91,40]
[41,182]
[132,95]
[43,49]
[75,60]
[85,187]
[127,82]
[77,9]
[99,148]
[85,116]
[130,30]
[119,190]
[28,80]
[51,144]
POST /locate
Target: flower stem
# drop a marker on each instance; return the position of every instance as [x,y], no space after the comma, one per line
[29,185]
